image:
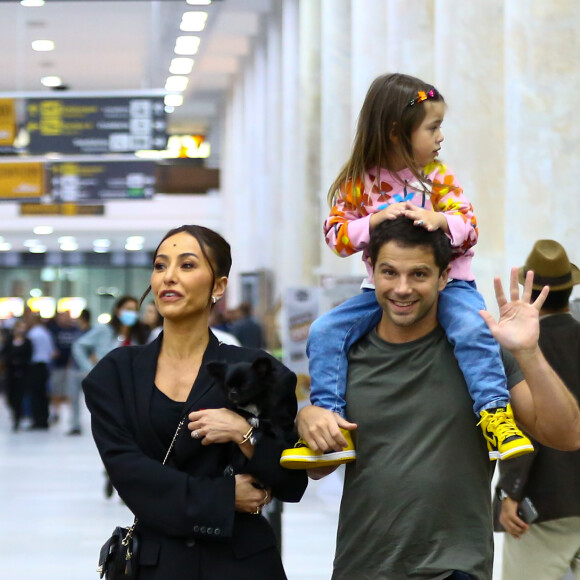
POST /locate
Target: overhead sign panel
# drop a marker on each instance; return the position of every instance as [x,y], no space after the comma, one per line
[21,181]
[90,182]
[97,125]
[7,124]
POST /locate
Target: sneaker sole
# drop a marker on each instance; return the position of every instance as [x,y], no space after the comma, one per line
[510,454]
[312,461]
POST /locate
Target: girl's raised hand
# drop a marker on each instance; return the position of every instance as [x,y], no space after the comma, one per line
[430,220]
[388,212]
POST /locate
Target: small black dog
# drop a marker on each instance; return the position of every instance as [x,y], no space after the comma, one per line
[250,389]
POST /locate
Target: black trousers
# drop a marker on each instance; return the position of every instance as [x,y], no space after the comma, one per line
[15,391]
[38,389]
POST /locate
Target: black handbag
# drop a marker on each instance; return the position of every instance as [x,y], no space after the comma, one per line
[119,556]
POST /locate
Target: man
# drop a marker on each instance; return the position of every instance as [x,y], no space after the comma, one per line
[416,502]
[246,329]
[550,479]
[43,351]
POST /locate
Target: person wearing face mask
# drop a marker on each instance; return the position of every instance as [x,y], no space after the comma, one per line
[124,329]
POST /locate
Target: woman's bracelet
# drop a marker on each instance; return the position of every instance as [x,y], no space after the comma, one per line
[247,436]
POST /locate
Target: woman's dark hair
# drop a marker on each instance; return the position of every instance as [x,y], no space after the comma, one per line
[214,248]
[138,332]
[385,125]
[403,232]
[556,299]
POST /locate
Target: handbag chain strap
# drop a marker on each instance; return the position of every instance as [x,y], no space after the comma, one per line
[130,531]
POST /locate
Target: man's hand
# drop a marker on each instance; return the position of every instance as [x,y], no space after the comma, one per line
[518,328]
[320,428]
[509,519]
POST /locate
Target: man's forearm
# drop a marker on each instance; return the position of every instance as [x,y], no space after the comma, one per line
[557,416]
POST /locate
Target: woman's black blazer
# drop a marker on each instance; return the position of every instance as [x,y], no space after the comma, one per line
[188,527]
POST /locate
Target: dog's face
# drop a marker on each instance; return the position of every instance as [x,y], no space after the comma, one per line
[244,382]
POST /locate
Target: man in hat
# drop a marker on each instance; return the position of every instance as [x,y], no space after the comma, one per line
[550,479]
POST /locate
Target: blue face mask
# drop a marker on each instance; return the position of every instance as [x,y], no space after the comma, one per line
[128,317]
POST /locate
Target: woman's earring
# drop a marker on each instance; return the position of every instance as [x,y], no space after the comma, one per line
[214,299]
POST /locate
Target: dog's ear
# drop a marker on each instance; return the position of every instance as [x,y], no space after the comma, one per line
[262,366]
[217,369]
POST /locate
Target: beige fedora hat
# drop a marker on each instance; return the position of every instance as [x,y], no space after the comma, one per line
[551,266]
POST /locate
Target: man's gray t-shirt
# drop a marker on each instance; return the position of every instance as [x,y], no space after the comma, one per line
[416,502]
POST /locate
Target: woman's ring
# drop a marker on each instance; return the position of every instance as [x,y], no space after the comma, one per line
[195,434]
[420,223]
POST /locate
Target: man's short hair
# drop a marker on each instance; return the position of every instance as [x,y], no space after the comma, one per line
[402,231]
[556,300]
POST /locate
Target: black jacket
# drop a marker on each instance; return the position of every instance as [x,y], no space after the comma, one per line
[188,527]
[550,478]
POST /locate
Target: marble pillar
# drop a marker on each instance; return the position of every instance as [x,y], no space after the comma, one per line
[469,72]
[542,72]
[411,34]
[369,41]
[310,147]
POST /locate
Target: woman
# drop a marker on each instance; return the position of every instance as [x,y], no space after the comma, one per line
[123,329]
[152,320]
[17,354]
[195,520]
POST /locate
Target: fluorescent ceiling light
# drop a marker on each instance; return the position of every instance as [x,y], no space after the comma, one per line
[5,246]
[34,3]
[66,239]
[199,2]
[69,247]
[102,243]
[100,249]
[173,100]
[51,81]
[193,21]
[104,318]
[31,243]
[181,66]
[43,230]
[187,45]
[133,247]
[42,45]
[176,84]
[37,249]
[135,240]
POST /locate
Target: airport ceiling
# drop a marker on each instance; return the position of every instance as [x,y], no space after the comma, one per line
[111,46]
[122,48]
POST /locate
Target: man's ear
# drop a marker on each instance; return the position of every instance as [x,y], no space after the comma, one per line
[443,278]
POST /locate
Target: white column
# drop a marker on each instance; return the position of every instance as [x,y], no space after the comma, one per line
[369,37]
[310,150]
[469,49]
[542,150]
[411,37]
[336,137]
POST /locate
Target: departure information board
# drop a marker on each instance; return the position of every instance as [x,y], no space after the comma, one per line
[95,125]
[89,182]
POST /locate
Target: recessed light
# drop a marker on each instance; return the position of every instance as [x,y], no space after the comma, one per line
[34,3]
[102,243]
[176,84]
[199,2]
[30,243]
[69,247]
[66,239]
[104,318]
[135,240]
[5,246]
[43,230]
[51,81]
[187,45]
[40,249]
[100,249]
[133,247]
[193,21]
[173,100]
[42,45]
[181,66]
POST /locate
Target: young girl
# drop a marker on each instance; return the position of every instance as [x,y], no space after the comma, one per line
[393,170]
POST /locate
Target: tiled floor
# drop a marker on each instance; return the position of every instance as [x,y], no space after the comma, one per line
[54,516]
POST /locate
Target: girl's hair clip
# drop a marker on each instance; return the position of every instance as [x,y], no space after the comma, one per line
[423,96]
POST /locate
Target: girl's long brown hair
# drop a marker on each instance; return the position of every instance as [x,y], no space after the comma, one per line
[385,125]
